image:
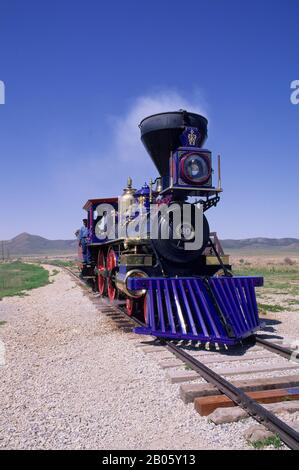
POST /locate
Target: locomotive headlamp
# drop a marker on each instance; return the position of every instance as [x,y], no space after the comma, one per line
[195,168]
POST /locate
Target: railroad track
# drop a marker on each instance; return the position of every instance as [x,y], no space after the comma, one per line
[286,433]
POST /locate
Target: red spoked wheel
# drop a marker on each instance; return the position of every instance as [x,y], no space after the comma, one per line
[111,265]
[134,307]
[101,272]
[130,306]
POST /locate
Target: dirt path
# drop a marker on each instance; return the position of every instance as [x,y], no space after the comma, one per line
[71,380]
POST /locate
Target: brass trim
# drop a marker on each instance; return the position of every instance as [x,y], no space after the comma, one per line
[132,259]
[213,261]
[121,283]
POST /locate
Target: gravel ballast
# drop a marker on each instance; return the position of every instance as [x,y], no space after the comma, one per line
[72,379]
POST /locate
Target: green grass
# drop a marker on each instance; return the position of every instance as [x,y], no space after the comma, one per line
[17,277]
[54,272]
[286,399]
[268,441]
[277,279]
[61,263]
[270,308]
[269,271]
[2,322]
[294,291]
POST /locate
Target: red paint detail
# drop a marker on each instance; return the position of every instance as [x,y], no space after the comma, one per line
[108,200]
[111,264]
[166,200]
[101,269]
[186,177]
[129,306]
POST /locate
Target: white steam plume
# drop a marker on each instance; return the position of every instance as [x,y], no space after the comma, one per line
[127,133]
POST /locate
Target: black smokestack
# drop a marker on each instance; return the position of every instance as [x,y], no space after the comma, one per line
[160,134]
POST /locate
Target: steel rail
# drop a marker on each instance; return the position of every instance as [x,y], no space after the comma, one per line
[287,434]
[275,348]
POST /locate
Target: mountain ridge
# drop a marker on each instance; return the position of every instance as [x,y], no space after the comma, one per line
[28,244]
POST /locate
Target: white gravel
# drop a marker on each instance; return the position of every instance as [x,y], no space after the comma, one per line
[72,379]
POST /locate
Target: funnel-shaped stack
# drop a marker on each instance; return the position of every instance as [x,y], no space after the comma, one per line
[160,134]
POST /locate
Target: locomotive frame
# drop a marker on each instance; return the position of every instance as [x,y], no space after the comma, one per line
[178,294]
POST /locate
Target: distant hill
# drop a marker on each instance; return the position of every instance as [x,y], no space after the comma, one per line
[26,244]
[259,243]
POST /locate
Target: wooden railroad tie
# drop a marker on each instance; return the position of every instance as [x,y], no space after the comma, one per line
[188,375]
[206,405]
[188,392]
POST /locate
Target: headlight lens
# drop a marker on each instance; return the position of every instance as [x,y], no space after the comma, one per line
[196,168]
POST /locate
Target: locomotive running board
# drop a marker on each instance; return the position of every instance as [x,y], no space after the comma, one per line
[216,309]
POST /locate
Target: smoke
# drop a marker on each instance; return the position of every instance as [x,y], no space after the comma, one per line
[127,134]
[102,169]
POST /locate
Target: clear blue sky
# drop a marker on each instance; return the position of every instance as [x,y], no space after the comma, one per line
[80,74]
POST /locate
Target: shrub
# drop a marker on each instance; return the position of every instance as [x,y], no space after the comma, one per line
[289,261]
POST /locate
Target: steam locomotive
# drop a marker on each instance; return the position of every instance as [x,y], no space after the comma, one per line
[177,282]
